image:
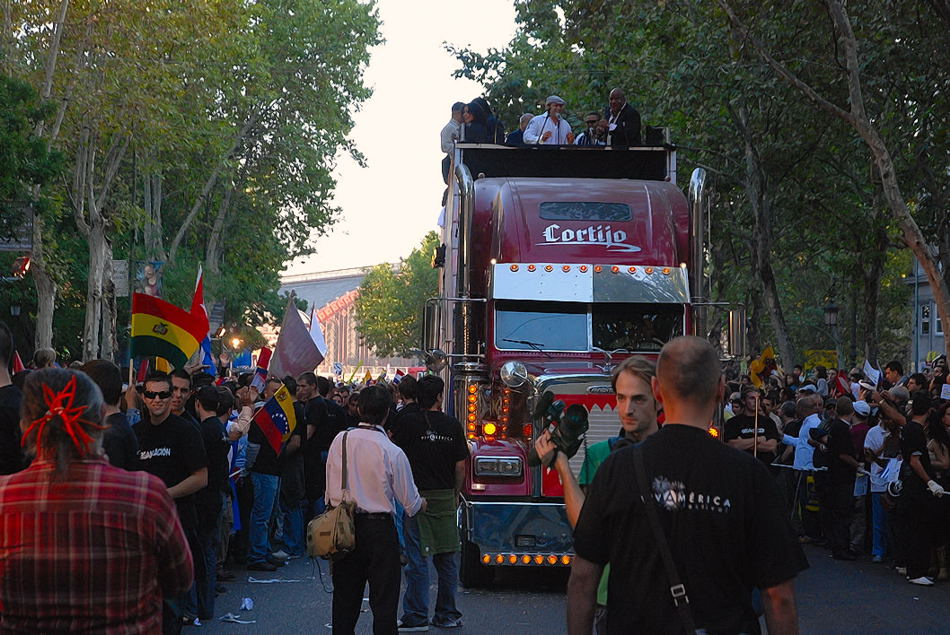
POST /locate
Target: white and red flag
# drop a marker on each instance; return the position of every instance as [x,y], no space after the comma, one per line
[300,347]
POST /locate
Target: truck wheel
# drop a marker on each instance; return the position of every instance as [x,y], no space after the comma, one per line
[472,573]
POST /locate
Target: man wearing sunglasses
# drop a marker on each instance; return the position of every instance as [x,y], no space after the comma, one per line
[172,449]
[591,136]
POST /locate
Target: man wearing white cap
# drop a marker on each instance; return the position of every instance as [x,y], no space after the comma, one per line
[550,128]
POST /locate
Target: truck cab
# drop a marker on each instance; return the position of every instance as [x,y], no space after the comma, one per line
[558,263]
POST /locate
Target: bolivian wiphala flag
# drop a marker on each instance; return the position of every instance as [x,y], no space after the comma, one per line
[277,418]
[161,329]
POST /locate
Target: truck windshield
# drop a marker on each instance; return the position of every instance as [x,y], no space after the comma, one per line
[568,326]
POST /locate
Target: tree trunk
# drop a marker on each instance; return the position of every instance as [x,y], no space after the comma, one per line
[154,243]
[45,288]
[216,238]
[107,349]
[760,204]
[97,266]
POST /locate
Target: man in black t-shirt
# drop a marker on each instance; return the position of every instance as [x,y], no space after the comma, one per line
[741,433]
[325,419]
[920,503]
[11,452]
[837,497]
[171,449]
[719,509]
[436,449]
[118,440]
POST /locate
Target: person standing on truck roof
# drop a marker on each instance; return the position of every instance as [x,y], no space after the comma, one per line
[451,132]
[623,121]
[516,138]
[717,511]
[637,410]
[550,128]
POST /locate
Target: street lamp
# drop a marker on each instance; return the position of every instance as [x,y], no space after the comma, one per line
[235,342]
[831,315]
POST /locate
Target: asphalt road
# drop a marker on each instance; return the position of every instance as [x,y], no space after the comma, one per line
[833,597]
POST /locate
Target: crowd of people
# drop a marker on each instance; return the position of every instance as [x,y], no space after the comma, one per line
[79,441]
[864,462]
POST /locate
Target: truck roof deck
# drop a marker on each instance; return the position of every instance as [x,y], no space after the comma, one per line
[652,163]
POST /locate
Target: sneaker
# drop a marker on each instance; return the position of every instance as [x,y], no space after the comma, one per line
[877,559]
[409,628]
[901,570]
[282,555]
[456,623]
[277,562]
[922,581]
[261,566]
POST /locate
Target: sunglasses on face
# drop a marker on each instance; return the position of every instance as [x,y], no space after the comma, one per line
[591,122]
[165,394]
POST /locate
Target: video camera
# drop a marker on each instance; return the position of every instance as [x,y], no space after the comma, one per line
[567,426]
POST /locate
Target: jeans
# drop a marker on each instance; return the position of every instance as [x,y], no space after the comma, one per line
[375,560]
[265,493]
[415,601]
[879,531]
[209,538]
[294,529]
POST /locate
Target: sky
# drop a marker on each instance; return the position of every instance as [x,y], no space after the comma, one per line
[389,206]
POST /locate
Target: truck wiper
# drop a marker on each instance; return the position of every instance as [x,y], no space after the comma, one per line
[534,345]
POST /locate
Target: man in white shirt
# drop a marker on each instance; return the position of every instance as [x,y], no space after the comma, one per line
[377,472]
[808,406]
[873,448]
[451,132]
[550,128]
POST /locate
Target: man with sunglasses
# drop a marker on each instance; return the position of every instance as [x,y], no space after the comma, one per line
[592,135]
[172,449]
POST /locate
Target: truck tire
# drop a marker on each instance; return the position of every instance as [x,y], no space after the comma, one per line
[472,573]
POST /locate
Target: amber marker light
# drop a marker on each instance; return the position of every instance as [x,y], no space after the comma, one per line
[531,267]
[473,388]
[615,269]
[598,268]
[526,431]
[514,267]
[490,428]
[500,559]
[552,559]
[512,558]
[539,559]
[486,559]
[714,432]
[632,269]
[565,560]
[666,271]
[526,559]
[649,270]
[566,268]
[583,268]
[548,268]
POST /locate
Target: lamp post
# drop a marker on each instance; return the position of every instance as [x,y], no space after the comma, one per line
[831,321]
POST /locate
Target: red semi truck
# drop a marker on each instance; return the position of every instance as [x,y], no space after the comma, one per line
[557,262]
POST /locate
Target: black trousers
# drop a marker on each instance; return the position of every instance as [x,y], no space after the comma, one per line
[921,514]
[375,560]
[840,512]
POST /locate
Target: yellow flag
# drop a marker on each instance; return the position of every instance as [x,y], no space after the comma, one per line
[162,365]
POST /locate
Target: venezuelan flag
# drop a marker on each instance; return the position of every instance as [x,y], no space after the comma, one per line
[161,329]
[277,418]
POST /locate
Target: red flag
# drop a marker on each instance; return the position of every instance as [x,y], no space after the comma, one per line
[260,374]
[143,371]
[18,366]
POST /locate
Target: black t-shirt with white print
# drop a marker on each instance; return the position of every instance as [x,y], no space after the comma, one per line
[172,451]
[724,520]
[433,443]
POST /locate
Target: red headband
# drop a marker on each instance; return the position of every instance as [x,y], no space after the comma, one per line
[60,405]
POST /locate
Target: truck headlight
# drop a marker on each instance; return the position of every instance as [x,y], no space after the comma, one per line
[496,466]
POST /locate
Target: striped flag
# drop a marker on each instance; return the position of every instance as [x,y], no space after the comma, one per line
[198,304]
[260,374]
[277,418]
[161,329]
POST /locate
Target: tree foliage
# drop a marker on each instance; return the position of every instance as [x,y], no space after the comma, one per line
[391,301]
[196,132]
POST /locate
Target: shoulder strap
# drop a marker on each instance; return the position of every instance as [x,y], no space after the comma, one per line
[677,590]
[345,482]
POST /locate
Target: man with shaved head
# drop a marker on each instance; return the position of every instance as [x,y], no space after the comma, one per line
[718,509]
[623,121]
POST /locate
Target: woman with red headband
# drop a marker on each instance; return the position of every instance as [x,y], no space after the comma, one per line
[84,546]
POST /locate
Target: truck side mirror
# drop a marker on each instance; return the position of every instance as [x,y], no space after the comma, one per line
[431,316]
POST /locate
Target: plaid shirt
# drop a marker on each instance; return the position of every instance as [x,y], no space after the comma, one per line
[92,552]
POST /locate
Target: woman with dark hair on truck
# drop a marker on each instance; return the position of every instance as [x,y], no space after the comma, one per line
[84,546]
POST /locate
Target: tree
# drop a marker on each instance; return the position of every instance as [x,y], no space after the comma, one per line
[391,300]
